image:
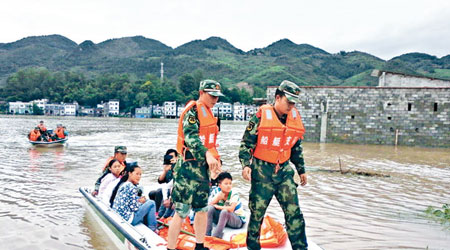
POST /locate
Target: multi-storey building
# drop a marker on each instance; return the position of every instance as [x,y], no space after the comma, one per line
[170,109]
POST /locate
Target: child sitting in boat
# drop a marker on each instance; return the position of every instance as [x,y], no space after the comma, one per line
[225,207]
[129,204]
[110,181]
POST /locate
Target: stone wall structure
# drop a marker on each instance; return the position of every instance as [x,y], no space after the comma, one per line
[393,79]
[375,115]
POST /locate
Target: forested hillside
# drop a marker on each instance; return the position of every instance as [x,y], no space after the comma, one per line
[30,66]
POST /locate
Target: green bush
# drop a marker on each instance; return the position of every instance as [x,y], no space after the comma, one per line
[442,215]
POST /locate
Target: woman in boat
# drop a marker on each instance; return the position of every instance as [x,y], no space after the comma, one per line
[129,204]
[109,182]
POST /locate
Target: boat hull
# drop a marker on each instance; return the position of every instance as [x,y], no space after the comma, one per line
[51,144]
[126,236]
[122,234]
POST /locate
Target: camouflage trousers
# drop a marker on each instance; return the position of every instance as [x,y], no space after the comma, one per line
[190,187]
[284,188]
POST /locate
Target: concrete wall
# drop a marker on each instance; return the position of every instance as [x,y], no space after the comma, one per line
[388,79]
[373,115]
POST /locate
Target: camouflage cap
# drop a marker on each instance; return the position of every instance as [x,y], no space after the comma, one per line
[120,149]
[211,87]
[291,90]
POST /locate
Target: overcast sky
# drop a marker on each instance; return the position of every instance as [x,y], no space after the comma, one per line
[385,28]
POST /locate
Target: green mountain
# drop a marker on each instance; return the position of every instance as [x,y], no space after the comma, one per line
[215,57]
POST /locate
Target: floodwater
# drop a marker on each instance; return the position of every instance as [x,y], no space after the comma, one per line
[41,207]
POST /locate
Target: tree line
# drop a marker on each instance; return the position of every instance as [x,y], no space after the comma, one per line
[88,90]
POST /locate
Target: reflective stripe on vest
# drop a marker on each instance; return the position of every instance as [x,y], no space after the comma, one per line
[275,139]
[208,129]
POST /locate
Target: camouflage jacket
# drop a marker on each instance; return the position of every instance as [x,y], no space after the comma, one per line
[250,139]
[191,126]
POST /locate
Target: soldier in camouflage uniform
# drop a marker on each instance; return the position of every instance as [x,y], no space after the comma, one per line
[269,179]
[197,133]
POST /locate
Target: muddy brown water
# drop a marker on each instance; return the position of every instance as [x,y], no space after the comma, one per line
[41,207]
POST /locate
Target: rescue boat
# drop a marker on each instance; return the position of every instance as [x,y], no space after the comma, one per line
[49,144]
[125,236]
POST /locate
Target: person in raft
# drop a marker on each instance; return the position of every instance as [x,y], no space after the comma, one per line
[225,207]
[129,204]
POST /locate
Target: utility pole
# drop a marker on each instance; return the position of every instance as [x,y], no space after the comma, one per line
[162,71]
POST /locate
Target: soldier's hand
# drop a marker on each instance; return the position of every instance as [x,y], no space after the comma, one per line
[213,163]
[247,173]
[303,179]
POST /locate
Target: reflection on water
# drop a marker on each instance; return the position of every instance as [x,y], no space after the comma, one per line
[35,154]
[41,208]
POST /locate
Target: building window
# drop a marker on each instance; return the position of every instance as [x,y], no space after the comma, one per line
[435,108]
[353,117]
[317,116]
[389,118]
[409,106]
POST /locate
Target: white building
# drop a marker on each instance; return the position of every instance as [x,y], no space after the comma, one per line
[87,111]
[250,111]
[238,112]
[41,103]
[113,107]
[157,111]
[20,107]
[180,110]
[242,112]
[393,79]
[70,109]
[170,109]
[143,112]
[54,109]
[223,110]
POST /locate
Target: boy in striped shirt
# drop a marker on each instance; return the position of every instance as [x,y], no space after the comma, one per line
[225,207]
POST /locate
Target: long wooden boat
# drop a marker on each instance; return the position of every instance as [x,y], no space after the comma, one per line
[49,144]
[125,236]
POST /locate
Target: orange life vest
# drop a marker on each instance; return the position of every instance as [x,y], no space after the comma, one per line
[208,128]
[188,242]
[275,139]
[42,127]
[34,136]
[272,234]
[60,133]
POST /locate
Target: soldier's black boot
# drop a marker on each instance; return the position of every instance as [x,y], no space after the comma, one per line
[200,246]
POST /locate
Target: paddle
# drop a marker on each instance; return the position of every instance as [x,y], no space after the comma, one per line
[183,231]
